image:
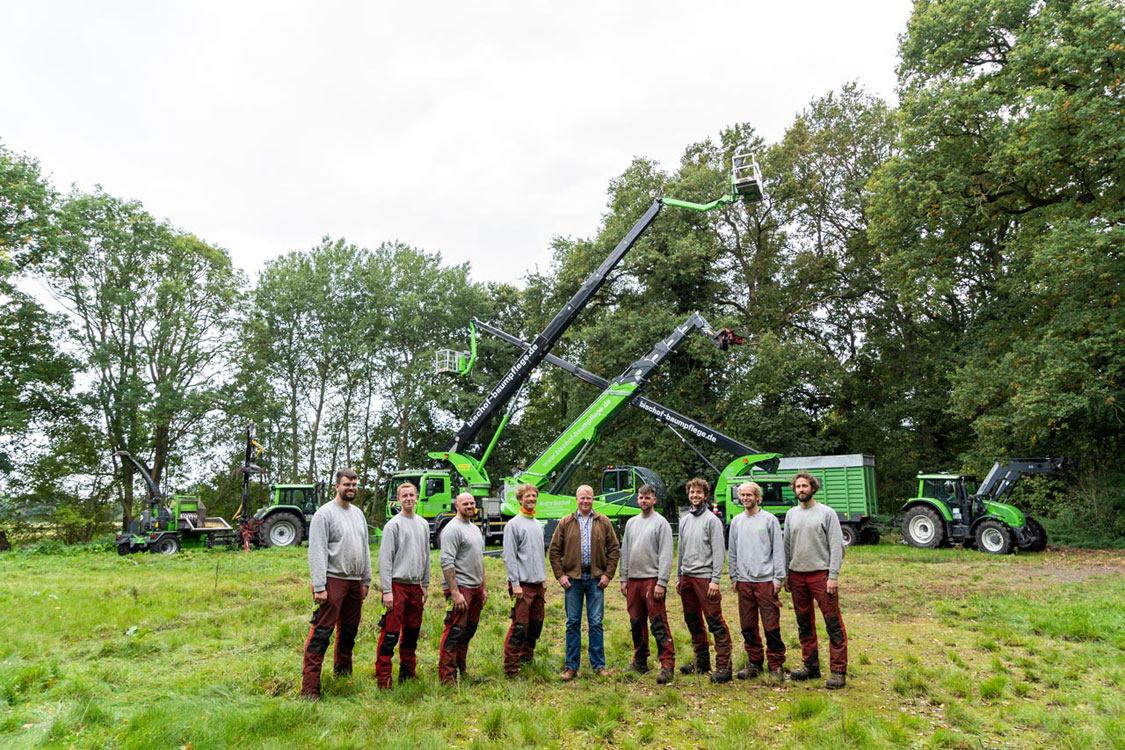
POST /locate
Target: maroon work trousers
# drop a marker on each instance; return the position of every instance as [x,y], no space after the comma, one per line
[341,613]
[400,625]
[698,609]
[812,587]
[758,600]
[526,627]
[643,605]
[460,627]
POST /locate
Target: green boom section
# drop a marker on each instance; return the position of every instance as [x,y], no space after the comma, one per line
[583,431]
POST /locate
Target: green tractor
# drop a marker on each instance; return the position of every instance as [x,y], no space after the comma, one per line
[952,509]
[285,521]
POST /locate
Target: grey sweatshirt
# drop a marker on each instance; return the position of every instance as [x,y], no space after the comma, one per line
[524,551]
[646,549]
[404,553]
[338,545]
[702,551]
[462,548]
[813,540]
[757,549]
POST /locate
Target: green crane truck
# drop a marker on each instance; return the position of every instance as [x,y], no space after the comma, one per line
[552,469]
[951,509]
[469,473]
[848,481]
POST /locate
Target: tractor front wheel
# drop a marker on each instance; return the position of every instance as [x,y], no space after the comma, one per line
[1038,541]
[921,527]
[994,538]
[850,535]
[168,545]
[281,530]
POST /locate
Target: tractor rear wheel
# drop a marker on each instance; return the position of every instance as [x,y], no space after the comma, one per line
[850,535]
[922,527]
[168,545]
[281,530]
[994,538]
[1038,541]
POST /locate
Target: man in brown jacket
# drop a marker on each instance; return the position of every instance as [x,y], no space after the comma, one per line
[583,556]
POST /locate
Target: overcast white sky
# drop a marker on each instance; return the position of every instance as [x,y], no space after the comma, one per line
[476,129]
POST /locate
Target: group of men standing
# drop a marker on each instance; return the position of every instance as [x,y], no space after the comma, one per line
[584,555]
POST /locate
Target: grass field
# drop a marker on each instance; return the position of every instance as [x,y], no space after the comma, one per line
[948,648]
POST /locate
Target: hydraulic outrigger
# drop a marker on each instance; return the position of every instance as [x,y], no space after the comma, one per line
[745,185]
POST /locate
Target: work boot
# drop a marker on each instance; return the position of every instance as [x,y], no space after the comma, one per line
[807,672]
[665,676]
[777,676]
[638,668]
[601,672]
[699,666]
[750,671]
[836,681]
[568,675]
[720,676]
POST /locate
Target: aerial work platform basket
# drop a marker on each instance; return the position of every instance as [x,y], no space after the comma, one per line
[746,177]
[450,361]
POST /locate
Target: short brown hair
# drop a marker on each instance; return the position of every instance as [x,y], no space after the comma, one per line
[813,481]
[523,489]
[646,489]
[702,484]
[346,473]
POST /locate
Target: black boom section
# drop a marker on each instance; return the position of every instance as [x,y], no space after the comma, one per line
[670,417]
[519,372]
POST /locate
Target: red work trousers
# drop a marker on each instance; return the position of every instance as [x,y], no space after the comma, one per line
[527,625]
[697,609]
[341,613]
[400,625]
[460,627]
[643,605]
[759,600]
[812,587]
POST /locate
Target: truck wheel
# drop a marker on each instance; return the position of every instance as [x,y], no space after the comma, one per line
[994,538]
[869,535]
[1038,541]
[281,530]
[168,545]
[921,527]
[850,535]
[435,541]
[124,549]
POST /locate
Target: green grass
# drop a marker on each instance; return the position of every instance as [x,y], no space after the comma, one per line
[949,648]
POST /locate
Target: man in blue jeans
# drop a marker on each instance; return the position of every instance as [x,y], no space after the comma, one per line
[584,554]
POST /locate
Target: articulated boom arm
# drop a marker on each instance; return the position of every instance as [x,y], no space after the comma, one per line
[1003,476]
[521,370]
[746,186]
[670,417]
[155,496]
[587,428]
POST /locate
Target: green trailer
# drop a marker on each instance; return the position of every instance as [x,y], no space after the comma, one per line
[847,485]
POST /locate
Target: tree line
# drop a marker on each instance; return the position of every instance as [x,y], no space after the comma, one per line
[936,283]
